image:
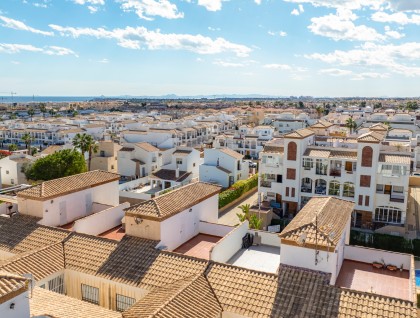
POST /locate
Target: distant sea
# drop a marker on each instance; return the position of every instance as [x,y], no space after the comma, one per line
[44,99]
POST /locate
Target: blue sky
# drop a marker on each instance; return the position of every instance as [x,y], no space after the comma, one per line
[192,47]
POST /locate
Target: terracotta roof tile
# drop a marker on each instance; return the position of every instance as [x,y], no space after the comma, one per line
[231,153]
[327,153]
[146,146]
[57,187]
[300,133]
[10,283]
[273,149]
[322,220]
[398,159]
[46,303]
[191,297]
[371,136]
[175,201]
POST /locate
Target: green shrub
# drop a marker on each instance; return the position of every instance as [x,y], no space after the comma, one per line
[236,190]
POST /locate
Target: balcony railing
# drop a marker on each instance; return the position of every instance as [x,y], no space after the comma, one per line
[335,173]
[306,189]
[266,184]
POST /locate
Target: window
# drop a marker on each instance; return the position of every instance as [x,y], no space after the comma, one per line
[57,284]
[287,191]
[397,189]
[102,153]
[124,302]
[90,294]
[360,200]
[193,164]
[178,161]
[291,174]
[293,192]
[364,181]
[12,181]
[380,188]
[321,167]
[334,188]
[291,151]
[112,167]
[308,163]
[367,199]
[367,154]
[7,171]
[348,189]
[388,214]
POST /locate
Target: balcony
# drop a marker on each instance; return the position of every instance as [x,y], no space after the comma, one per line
[265,184]
[321,172]
[396,197]
[335,172]
[306,188]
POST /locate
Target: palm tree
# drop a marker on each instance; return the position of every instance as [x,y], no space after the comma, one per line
[245,212]
[42,109]
[31,112]
[86,143]
[319,110]
[51,112]
[351,124]
[255,222]
[28,139]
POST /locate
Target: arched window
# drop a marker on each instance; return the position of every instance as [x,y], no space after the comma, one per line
[348,189]
[367,155]
[291,151]
[388,214]
[306,185]
[321,187]
[334,188]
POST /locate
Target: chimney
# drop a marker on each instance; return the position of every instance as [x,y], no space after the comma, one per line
[177,172]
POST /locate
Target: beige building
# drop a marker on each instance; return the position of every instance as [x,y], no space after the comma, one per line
[106,157]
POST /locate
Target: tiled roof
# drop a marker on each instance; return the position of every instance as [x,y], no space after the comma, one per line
[45,303]
[40,263]
[231,153]
[51,149]
[326,153]
[372,136]
[10,284]
[131,261]
[322,124]
[398,159]
[146,146]
[175,201]
[273,149]
[192,297]
[127,149]
[167,174]
[242,291]
[321,221]
[21,233]
[300,133]
[379,127]
[179,152]
[58,187]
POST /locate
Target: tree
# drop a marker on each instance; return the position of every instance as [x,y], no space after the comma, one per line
[31,112]
[60,164]
[13,147]
[363,104]
[244,216]
[412,105]
[86,143]
[51,112]
[301,104]
[28,139]
[351,124]
[42,109]
[319,110]
[255,222]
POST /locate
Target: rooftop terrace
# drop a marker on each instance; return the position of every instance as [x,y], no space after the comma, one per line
[258,257]
[364,277]
[199,246]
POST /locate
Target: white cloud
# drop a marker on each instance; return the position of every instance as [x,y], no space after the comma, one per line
[49,50]
[15,62]
[280,33]
[284,67]
[213,29]
[398,17]
[147,9]
[399,59]
[92,5]
[19,25]
[295,12]
[257,2]
[346,4]
[103,61]
[301,10]
[405,5]
[335,72]
[228,64]
[211,5]
[394,34]
[140,37]
[340,26]
[365,75]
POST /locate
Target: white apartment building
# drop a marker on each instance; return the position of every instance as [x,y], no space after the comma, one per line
[287,121]
[223,167]
[247,140]
[371,171]
[11,168]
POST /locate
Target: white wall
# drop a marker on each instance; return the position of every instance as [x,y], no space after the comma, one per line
[183,226]
[230,244]
[267,238]
[102,221]
[106,193]
[370,255]
[133,184]
[214,175]
[305,257]
[20,310]
[214,229]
